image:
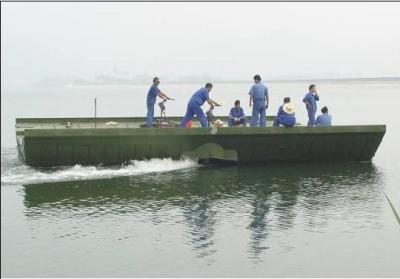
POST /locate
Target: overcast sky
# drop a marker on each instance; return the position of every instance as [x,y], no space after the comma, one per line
[226,40]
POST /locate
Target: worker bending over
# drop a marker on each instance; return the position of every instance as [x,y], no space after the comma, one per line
[194,106]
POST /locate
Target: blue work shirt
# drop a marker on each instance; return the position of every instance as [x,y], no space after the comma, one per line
[284,115]
[199,97]
[324,120]
[285,119]
[152,94]
[311,101]
[258,92]
[236,112]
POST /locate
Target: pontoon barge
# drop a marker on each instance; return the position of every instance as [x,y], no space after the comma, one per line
[47,142]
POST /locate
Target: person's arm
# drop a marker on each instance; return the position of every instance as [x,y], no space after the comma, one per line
[251,93]
[266,97]
[162,95]
[231,114]
[212,103]
[306,101]
[316,96]
[242,115]
[280,110]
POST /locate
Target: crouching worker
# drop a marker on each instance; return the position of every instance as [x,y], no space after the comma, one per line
[325,119]
[236,116]
[194,106]
[286,115]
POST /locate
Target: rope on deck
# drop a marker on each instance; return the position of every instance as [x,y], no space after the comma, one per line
[394,210]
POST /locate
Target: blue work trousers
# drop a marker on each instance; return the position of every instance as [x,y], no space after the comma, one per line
[285,121]
[259,112]
[311,117]
[231,122]
[150,115]
[192,110]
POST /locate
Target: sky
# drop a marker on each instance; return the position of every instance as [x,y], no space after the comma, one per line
[224,40]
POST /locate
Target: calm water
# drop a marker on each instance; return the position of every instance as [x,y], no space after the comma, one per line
[176,218]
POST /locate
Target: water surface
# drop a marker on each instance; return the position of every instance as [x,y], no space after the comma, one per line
[176,218]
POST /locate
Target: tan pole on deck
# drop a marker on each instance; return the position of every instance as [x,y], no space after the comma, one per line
[95,112]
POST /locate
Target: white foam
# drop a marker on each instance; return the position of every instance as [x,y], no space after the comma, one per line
[22,174]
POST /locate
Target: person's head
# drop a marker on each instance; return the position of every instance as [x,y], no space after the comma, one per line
[312,88]
[286,100]
[237,104]
[324,110]
[257,78]
[209,86]
[156,81]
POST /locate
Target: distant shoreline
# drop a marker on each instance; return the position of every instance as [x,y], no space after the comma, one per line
[340,79]
[119,81]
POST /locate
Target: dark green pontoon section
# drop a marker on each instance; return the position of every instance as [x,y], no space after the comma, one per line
[45,142]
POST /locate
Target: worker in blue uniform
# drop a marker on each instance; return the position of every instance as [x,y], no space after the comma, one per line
[236,116]
[310,99]
[194,106]
[325,119]
[154,91]
[260,99]
[286,115]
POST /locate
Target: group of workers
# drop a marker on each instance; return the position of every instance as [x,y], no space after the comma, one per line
[258,100]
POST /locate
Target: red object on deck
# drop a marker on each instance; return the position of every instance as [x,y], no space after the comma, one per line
[189,124]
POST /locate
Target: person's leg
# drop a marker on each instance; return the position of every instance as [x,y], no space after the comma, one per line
[292,122]
[150,115]
[230,122]
[263,115]
[311,118]
[254,116]
[196,110]
[277,121]
[200,116]
[188,116]
[288,122]
[243,121]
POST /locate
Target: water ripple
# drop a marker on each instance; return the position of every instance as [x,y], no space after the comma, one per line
[262,202]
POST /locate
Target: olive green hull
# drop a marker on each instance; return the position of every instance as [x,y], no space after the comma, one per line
[43,146]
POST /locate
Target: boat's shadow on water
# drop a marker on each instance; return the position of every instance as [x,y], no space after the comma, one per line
[271,198]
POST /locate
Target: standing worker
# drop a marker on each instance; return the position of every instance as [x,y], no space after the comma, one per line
[259,96]
[310,100]
[154,91]
[194,106]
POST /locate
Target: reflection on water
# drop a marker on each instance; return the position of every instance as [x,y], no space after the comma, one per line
[263,200]
[258,224]
[201,218]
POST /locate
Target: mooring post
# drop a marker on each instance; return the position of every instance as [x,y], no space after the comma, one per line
[95,112]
